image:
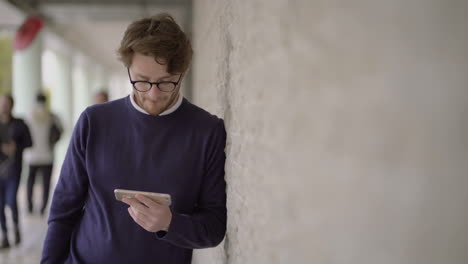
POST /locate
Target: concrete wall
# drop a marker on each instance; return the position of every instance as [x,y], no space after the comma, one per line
[347,128]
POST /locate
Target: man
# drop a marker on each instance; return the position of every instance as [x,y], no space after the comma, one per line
[153,140]
[40,158]
[14,138]
[101,97]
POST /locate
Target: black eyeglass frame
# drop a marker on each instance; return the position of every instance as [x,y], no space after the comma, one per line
[153,83]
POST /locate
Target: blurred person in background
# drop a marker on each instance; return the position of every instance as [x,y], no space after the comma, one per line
[153,140]
[14,137]
[46,130]
[101,97]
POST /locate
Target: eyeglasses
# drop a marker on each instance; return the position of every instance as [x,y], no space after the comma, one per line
[144,86]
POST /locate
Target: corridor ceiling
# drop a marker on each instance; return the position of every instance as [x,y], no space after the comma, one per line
[93,27]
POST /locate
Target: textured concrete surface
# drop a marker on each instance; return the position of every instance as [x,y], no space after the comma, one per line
[347,126]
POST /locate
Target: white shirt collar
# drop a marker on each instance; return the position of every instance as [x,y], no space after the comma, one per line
[168,111]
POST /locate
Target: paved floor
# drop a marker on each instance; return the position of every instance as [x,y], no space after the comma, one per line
[33,229]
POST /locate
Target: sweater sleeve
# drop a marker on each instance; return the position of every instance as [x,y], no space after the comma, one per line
[69,197]
[206,227]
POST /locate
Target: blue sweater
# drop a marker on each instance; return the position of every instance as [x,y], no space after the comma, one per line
[114,146]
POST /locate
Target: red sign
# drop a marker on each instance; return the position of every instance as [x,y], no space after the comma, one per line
[27,33]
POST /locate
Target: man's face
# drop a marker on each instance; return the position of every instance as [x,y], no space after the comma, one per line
[145,68]
[5,105]
[100,98]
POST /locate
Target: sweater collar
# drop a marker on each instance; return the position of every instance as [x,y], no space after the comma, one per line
[166,112]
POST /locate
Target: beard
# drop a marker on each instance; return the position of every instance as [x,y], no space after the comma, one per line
[159,105]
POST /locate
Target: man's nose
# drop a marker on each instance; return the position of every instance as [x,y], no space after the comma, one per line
[154,92]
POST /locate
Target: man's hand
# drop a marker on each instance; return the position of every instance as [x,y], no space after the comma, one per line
[9,148]
[149,214]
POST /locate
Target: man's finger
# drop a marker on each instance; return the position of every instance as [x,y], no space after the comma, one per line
[134,203]
[140,217]
[146,201]
[139,214]
[137,219]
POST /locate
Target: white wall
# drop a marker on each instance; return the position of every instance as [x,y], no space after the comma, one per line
[347,128]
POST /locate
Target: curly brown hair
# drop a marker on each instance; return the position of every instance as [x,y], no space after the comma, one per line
[160,37]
